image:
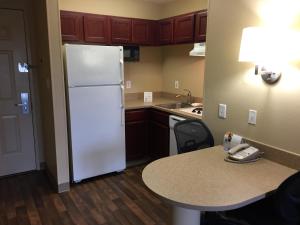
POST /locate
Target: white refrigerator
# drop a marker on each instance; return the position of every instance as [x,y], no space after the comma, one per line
[95,81]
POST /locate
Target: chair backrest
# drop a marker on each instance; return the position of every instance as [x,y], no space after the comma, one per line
[288,200]
[192,135]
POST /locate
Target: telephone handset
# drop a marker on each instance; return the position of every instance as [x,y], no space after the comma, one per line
[238,148]
[243,153]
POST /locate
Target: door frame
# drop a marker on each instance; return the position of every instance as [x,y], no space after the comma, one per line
[27,6]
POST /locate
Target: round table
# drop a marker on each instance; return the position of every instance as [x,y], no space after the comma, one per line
[203,181]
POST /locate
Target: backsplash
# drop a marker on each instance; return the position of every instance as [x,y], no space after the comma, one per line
[140,95]
[159,67]
[145,75]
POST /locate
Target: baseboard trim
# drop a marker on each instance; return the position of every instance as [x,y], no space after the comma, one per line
[42,165]
[59,188]
[278,155]
[64,187]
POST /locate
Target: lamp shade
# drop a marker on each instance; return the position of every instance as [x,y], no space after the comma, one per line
[252,45]
[261,45]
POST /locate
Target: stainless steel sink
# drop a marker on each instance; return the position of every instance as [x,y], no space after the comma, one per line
[177,105]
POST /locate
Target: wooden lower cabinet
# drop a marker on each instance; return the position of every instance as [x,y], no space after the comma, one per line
[159,134]
[159,140]
[147,134]
[136,133]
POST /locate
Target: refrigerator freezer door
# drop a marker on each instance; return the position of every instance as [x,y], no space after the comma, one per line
[90,65]
[97,133]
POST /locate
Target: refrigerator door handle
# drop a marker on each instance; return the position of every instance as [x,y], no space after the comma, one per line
[122,69]
[122,105]
[122,95]
[123,116]
[122,87]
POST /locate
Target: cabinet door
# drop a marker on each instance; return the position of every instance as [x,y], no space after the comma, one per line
[71,26]
[136,133]
[96,29]
[121,30]
[200,26]
[153,33]
[140,31]
[166,31]
[159,134]
[184,29]
[158,140]
[136,140]
[144,32]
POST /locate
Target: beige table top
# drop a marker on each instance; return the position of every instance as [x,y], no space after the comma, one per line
[203,180]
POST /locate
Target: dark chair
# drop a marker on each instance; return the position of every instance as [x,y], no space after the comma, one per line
[192,135]
[282,208]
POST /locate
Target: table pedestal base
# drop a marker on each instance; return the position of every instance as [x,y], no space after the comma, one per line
[184,216]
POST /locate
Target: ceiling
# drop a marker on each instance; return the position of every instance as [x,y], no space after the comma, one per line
[159,1]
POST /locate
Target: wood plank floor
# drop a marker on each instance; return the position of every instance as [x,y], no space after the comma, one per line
[119,199]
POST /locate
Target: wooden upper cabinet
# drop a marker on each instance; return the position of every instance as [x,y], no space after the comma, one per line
[200,26]
[143,32]
[184,29]
[71,26]
[96,29]
[166,31]
[121,30]
[153,33]
[140,31]
[101,29]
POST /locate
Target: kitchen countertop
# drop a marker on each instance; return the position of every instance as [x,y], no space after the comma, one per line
[140,104]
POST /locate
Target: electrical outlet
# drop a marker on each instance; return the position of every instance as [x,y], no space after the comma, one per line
[222,111]
[128,84]
[176,84]
[252,117]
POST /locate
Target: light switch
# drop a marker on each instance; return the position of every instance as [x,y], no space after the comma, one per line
[176,84]
[128,84]
[252,116]
[222,111]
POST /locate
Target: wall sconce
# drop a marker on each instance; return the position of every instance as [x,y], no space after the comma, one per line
[269,49]
[257,47]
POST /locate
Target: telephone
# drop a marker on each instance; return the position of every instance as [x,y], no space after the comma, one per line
[243,153]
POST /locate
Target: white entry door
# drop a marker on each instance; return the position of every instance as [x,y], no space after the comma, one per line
[17,153]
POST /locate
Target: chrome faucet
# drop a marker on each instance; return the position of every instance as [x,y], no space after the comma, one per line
[188,96]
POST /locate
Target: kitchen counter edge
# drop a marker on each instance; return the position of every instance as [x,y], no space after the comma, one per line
[140,104]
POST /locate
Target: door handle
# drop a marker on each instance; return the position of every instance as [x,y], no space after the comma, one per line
[20,104]
[24,102]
